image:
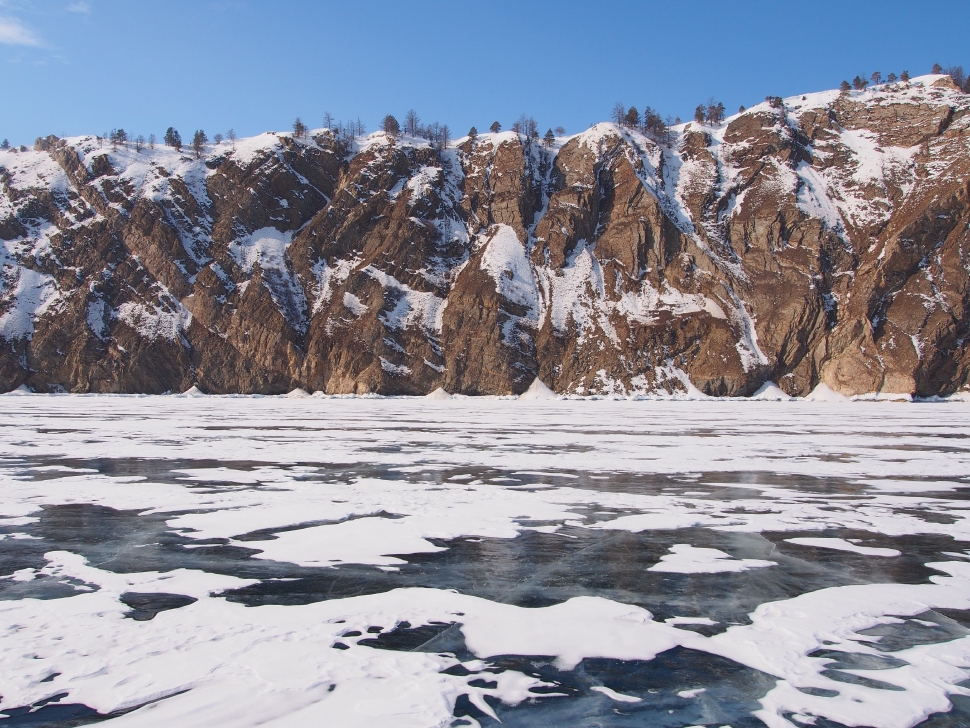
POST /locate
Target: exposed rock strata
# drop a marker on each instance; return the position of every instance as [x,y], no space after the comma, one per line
[824,241]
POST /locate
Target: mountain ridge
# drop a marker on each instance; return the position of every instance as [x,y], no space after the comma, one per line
[819,239]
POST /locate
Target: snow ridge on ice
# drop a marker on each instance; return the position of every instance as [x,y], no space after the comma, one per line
[538,391]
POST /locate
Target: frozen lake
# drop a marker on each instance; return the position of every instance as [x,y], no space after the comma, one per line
[271,561]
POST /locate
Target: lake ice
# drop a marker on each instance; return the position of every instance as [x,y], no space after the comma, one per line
[276,561]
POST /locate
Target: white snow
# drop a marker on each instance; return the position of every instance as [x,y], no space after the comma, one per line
[413,308]
[250,149]
[619,697]
[354,304]
[220,662]
[438,395]
[33,295]
[686,559]
[267,247]
[398,370]
[155,321]
[421,184]
[505,260]
[538,391]
[688,694]
[840,544]
[770,392]
[360,541]
[690,620]
[824,393]
[327,278]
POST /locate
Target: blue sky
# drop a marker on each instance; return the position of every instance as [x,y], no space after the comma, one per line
[86,66]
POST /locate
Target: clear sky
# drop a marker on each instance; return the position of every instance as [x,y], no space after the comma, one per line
[87,66]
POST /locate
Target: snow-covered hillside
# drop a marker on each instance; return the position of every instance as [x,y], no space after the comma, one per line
[815,239]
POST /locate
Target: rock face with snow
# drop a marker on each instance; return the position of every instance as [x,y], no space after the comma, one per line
[823,240]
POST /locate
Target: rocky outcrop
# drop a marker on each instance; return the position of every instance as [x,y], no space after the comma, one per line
[821,240]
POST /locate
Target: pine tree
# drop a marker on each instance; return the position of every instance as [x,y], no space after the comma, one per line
[473,133]
[173,139]
[712,111]
[198,143]
[653,125]
[876,78]
[549,139]
[892,78]
[741,109]
[845,87]
[632,118]
[218,138]
[118,136]
[5,144]
[390,126]
[700,115]
[904,77]
[495,128]
[937,69]
[299,128]
[859,83]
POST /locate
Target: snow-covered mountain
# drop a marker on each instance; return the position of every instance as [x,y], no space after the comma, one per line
[823,239]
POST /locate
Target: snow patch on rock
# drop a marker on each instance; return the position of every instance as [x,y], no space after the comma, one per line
[505,260]
[267,247]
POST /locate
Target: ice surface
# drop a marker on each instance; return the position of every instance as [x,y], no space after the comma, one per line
[516,547]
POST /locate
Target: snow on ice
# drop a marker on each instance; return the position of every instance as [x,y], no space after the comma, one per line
[816,544]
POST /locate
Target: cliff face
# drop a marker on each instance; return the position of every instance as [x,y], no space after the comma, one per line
[823,240]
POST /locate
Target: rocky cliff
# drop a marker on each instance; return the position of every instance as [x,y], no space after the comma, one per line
[824,239]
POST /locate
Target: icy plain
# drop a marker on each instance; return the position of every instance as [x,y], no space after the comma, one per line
[200,561]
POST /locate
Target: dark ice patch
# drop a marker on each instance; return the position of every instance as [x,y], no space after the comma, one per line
[144,606]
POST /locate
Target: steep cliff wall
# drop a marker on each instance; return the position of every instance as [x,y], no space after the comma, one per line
[823,240]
